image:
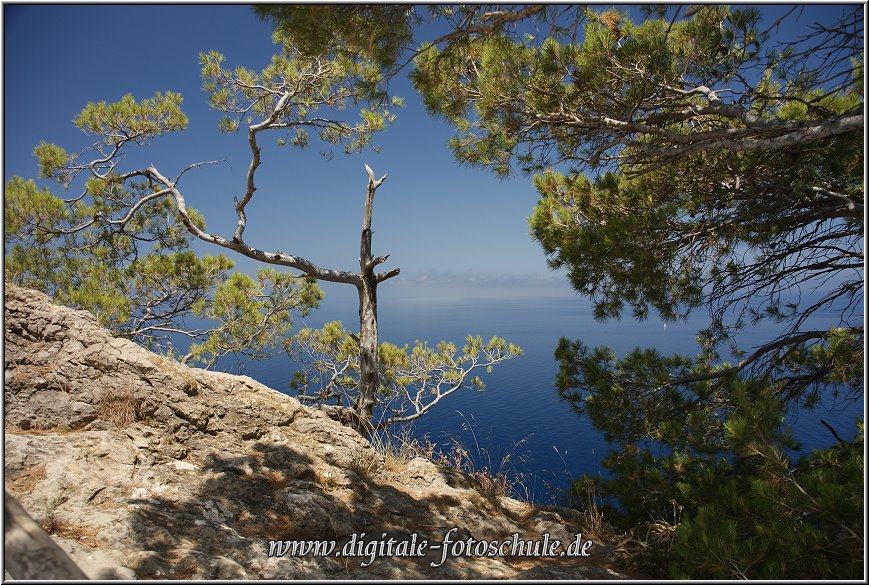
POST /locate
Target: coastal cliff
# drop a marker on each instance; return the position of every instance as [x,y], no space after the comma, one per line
[140,467]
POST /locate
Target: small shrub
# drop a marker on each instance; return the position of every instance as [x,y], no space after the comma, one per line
[49,522]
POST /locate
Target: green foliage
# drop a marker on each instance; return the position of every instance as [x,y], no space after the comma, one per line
[116,125]
[143,282]
[303,89]
[27,209]
[257,314]
[412,379]
[129,120]
[760,517]
[53,162]
[702,464]
[633,93]
[616,238]
[726,174]
[374,32]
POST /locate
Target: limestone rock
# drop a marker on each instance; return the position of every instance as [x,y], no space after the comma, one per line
[140,467]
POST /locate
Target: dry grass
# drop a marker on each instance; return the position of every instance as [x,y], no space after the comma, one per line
[366,466]
[588,500]
[327,480]
[658,535]
[399,448]
[269,479]
[492,484]
[276,480]
[120,407]
[495,477]
[80,534]
[185,568]
[272,525]
[22,484]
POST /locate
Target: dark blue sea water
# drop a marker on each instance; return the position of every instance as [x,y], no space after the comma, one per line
[519,413]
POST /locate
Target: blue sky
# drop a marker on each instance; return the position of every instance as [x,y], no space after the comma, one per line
[453,230]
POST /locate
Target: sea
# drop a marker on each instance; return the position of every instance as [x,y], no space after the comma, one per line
[517,423]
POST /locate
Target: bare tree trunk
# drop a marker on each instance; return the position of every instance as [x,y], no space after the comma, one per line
[368,376]
[367,286]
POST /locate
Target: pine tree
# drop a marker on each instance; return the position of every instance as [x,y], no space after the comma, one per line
[305,93]
[693,161]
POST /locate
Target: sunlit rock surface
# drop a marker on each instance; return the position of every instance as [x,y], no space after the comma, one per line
[140,467]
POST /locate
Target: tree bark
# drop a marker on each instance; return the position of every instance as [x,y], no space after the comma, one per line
[368,338]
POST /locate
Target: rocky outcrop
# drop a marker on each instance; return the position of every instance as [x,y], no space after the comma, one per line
[140,467]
